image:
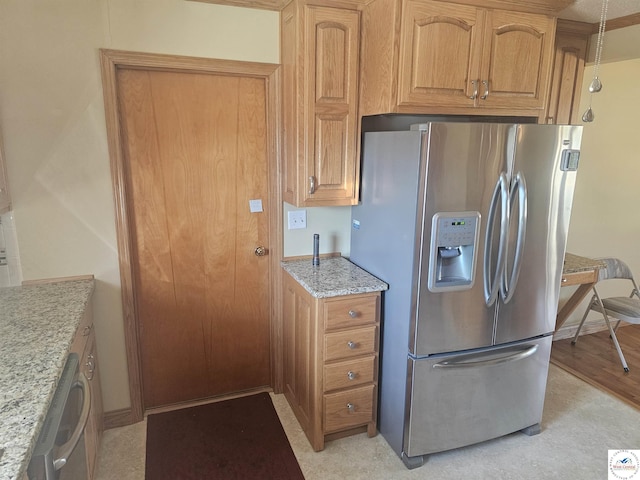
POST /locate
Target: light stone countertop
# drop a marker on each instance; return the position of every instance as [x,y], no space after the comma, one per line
[37,326]
[334,276]
[576,263]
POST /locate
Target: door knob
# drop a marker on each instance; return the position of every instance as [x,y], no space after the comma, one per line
[260,251]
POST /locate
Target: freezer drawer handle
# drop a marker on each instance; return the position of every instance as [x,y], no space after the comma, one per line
[512,357]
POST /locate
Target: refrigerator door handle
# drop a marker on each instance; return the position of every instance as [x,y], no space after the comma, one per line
[492,285]
[519,189]
[487,362]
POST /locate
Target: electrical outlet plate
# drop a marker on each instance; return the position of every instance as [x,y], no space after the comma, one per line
[297,219]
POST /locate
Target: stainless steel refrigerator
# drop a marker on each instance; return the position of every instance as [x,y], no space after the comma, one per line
[467,223]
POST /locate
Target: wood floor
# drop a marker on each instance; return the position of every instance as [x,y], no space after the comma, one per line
[594,359]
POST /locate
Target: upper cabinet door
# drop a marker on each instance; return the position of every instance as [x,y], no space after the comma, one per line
[428,56]
[440,51]
[320,48]
[517,55]
[571,48]
[331,99]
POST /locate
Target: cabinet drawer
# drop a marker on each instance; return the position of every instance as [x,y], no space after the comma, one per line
[348,409]
[349,373]
[348,312]
[350,343]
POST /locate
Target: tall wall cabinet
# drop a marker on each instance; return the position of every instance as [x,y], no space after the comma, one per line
[319,54]
[571,49]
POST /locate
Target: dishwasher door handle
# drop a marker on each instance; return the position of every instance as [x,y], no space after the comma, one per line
[68,447]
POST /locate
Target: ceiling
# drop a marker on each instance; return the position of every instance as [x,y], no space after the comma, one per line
[590,10]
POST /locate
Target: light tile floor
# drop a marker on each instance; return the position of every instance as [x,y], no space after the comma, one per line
[580,423]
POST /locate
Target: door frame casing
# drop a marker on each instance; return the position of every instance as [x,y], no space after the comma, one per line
[111,61]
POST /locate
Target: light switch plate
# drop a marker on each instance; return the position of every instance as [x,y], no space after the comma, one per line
[297,219]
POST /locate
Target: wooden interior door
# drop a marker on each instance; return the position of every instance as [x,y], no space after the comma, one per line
[195,155]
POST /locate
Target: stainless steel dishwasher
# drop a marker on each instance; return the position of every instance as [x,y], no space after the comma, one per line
[60,451]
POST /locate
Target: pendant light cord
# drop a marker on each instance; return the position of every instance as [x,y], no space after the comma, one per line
[600,41]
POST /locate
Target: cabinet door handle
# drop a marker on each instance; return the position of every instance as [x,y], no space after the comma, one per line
[352,345]
[351,375]
[474,83]
[486,89]
[312,185]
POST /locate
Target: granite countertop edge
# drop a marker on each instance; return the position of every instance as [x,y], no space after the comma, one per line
[335,276]
[37,326]
[576,263]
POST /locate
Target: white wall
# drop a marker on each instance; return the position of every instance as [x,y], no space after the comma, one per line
[605,219]
[331,223]
[52,121]
[618,45]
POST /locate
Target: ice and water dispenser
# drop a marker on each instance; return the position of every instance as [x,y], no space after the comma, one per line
[452,257]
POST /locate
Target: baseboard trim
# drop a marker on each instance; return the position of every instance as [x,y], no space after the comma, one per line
[118,418]
[124,416]
[569,331]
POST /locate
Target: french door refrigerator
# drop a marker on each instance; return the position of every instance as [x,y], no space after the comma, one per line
[467,223]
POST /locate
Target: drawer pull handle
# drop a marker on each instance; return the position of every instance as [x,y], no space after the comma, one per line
[86,331]
[353,313]
[564,280]
[352,375]
[352,345]
[351,407]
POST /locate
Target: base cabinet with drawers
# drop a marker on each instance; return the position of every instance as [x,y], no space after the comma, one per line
[331,361]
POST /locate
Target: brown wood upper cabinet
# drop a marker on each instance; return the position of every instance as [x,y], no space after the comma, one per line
[319,53]
[443,57]
[571,48]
